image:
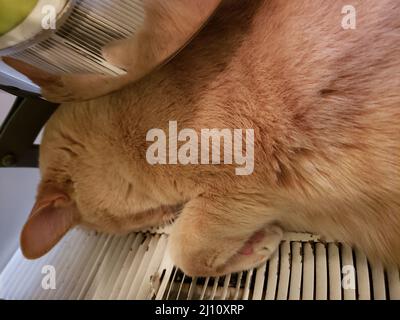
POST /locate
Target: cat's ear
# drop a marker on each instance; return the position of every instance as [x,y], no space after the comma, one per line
[53,215]
[38,76]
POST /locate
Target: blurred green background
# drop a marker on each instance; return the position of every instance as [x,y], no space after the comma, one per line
[13,12]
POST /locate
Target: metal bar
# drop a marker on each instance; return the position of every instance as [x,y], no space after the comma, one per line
[20,129]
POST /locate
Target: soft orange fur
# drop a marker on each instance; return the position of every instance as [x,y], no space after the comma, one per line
[325,106]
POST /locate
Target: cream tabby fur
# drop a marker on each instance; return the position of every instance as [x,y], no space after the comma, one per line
[325,106]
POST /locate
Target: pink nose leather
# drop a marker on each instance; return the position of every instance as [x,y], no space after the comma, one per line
[248,250]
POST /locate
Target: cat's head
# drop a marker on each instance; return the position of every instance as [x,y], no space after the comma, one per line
[83,182]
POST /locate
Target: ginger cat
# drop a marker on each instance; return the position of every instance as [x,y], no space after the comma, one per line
[324,103]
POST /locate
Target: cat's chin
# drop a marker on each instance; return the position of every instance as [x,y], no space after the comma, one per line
[154,221]
[168,216]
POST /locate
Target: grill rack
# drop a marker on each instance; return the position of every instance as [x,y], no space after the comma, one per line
[95,266]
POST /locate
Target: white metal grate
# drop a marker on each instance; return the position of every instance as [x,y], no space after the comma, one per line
[76,46]
[98,266]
